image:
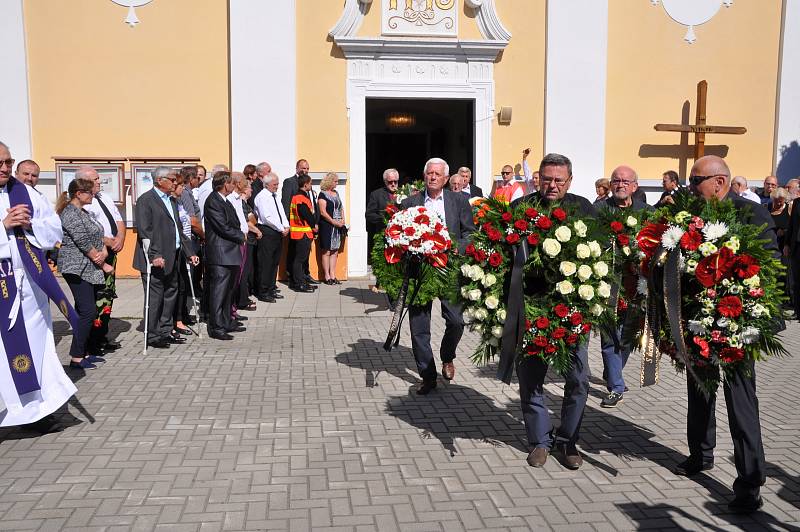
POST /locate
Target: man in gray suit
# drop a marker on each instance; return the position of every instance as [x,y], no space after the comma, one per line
[157,221]
[455,210]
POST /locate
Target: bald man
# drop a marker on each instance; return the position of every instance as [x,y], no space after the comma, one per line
[710,178]
[28,172]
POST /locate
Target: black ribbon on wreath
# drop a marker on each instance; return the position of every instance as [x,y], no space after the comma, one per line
[413,269]
[514,326]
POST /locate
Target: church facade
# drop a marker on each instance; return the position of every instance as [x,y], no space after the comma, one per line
[355,86]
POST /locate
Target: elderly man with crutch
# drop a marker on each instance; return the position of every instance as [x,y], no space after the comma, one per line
[157,221]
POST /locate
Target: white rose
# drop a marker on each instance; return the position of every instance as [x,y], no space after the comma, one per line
[580,228]
[567,268]
[626,250]
[584,272]
[563,234]
[476,274]
[565,287]
[604,290]
[600,269]
[488,280]
[596,309]
[551,247]
[595,248]
[474,294]
[491,302]
[586,292]
[583,251]
[497,331]
[501,315]
[481,314]
[469,315]
[466,269]
[465,292]
[631,221]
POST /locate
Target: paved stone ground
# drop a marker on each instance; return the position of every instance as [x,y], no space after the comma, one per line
[304,422]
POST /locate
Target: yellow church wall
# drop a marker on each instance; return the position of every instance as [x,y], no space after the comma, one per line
[652,71]
[519,84]
[101,88]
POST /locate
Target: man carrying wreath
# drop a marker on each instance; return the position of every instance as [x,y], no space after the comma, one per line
[710,178]
[454,209]
[555,178]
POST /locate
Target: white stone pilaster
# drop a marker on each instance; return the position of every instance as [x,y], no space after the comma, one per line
[787,127]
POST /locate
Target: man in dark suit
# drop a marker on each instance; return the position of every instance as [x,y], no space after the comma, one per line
[455,210]
[555,178]
[474,190]
[791,250]
[158,223]
[376,206]
[224,237]
[710,178]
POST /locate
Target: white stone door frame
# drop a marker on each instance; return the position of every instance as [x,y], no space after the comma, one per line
[419,76]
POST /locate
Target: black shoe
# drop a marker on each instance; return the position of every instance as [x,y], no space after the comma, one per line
[267,299]
[426,387]
[692,466]
[175,339]
[220,336]
[612,400]
[111,346]
[275,295]
[161,343]
[241,318]
[311,280]
[46,425]
[303,289]
[746,505]
[236,328]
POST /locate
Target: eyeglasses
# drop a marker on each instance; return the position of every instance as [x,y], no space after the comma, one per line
[9,162]
[392,182]
[546,180]
[696,180]
[621,182]
[506,173]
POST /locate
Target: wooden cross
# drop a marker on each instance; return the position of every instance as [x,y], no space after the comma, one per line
[700,129]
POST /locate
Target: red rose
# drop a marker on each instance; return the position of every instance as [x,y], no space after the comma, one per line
[559,214]
[714,268]
[550,349]
[495,259]
[533,239]
[470,250]
[731,354]
[540,340]
[530,212]
[561,310]
[106,310]
[544,223]
[576,318]
[521,225]
[623,240]
[691,240]
[409,231]
[559,333]
[542,322]
[746,266]
[572,339]
[702,344]
[494,235]
[97,323]
[393,255]
[506,216]
[585,328]
[480,255]
[730,306]
[616,226]
[512,239]
[650,237]
[528,324]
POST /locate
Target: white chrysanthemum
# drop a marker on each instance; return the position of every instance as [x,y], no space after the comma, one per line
[714,231]
[491,302]
[671,237]
[696,327]
[580,228]
[750,335]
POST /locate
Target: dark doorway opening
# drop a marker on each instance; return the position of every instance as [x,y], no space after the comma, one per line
[403,134]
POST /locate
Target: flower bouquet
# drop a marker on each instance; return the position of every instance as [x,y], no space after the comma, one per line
[716,283]
[561,251]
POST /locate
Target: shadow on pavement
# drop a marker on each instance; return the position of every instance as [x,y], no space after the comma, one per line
[368,355]
[379,302]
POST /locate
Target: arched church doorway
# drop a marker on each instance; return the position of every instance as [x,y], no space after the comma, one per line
[404,133]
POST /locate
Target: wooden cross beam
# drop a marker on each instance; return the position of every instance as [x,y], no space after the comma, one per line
[700,128]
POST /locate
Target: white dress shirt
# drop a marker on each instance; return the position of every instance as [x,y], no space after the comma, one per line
[236,200]
[269,210]
[99,216]
[436,205]
[203,191]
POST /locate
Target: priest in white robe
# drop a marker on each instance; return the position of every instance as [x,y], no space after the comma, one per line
[42,228]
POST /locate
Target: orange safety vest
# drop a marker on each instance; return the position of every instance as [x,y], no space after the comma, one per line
[505,193]
[299,228]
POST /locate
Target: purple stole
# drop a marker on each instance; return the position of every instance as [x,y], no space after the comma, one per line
[15,339]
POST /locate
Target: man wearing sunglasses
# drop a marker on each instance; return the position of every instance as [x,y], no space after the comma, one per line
[506,188]
[710,178]
[376,208]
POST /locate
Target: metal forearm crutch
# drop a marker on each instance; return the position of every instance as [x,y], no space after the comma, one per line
[146,248]
[194,302]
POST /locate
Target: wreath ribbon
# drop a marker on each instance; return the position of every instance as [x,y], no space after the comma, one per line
[514,326]
[412,264]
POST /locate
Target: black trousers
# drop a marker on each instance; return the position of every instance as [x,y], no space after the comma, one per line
[268,250]
[302,248]
[84,294]
[182,307]
[419,320]
[219,289]
[163,297]
[745,428]
[794,267]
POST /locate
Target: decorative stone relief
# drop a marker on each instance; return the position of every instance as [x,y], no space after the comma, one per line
[692,13]
[432,18]
[132,20]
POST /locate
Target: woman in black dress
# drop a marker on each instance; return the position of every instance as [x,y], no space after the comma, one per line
[779,209]
[331,226]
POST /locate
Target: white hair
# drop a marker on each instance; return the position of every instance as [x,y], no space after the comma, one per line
[160,172]
[437,160]
[83,171]
[740,179]
[270,177]
[388,172]
[261,168]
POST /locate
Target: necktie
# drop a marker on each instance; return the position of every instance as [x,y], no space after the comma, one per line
[111,222]
[280,214]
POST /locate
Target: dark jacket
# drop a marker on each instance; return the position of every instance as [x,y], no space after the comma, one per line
[288,190]
[636,205]
[584,206]
[81,234]
[793,233]
[750,212]
[376,209]
[154,222]
[457,213]
[475,191]
[223,232]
